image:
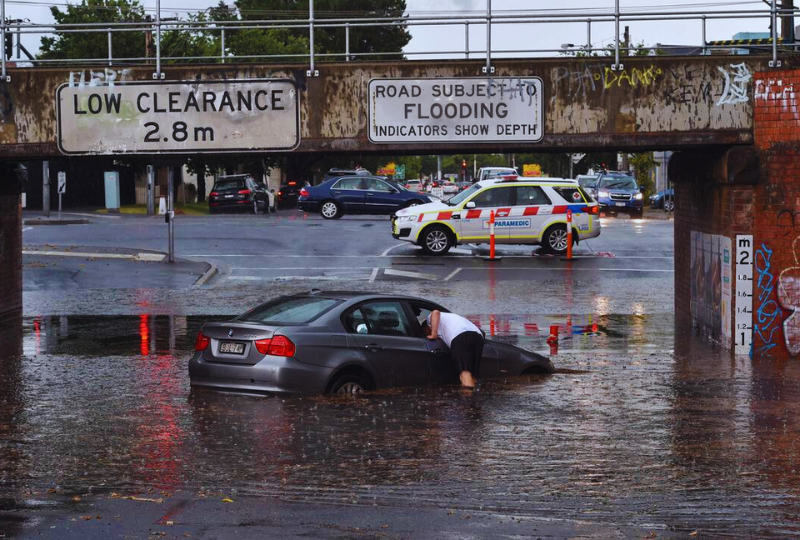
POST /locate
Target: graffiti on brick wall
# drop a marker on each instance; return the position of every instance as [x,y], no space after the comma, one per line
[737,81]
[711,267]
[773,90]
[767,318]
[789,299]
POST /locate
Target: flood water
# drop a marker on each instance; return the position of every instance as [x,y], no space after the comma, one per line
[638,427]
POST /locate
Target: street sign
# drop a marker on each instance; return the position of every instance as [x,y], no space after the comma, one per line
[178,117]
[62,182]
[400,172]
[441,110]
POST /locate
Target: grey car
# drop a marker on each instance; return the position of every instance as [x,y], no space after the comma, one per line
[338,343]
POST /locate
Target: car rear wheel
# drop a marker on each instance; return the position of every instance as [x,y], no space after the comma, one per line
[555,239]
[436,240]
[330,210]
[349,385]
[669,205]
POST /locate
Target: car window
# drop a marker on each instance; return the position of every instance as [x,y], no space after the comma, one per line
[291,310]
[494,197]
[617,182]
[464,194]
[229,184]
[348,183]
[587,196]
[373,184]
[380,318]
[570,194]
[531,195]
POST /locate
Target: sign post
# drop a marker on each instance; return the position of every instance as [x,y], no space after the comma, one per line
[170,215]
[150,192]
[743,336]
[62,188]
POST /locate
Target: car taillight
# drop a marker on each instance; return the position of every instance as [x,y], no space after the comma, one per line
[202,341]
[277,346]
[292,183]
[280,193]
[213,194]
[594,210]
[304,192]
[244,192]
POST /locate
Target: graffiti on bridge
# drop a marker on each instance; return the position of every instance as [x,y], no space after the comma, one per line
[789,299]
[768,312]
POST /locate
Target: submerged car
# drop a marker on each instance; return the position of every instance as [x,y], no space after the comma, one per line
[338,343]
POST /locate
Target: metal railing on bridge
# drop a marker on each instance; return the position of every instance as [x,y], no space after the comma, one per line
[551,16]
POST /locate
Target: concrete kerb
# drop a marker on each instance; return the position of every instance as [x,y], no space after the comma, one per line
[210,273]
[56,221]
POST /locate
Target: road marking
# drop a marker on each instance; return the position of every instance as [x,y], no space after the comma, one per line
[387,250]
[373,275]
[289,278]
[154,257]
[26,229]
[452,274]
[460,250]
[284,256]
[101,216]
[316,268]
[406,273]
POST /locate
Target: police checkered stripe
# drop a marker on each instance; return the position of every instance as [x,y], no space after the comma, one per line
[503,212]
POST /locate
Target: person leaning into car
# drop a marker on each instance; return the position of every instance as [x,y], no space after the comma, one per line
[464,339]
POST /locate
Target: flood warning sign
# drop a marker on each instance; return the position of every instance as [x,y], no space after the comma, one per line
[496,109]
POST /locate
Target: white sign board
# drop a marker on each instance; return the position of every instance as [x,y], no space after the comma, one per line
[178,117]
[743,333]
[62,182]
[440,110]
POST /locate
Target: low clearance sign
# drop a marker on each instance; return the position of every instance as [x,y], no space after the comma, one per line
[496,109]
[178,117]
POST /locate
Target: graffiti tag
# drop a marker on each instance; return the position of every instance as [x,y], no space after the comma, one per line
[96,78]
[768,312]
[735,84]
[789,299]
[636,77]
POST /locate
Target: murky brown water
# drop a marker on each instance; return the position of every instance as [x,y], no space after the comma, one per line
[642,428]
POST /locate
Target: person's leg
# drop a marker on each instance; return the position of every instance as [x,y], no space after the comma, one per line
[460,351]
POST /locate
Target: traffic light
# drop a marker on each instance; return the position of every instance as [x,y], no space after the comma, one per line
[464,164]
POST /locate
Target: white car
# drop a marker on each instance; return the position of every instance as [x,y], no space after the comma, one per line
[526,212]
[413,185]
[449,188]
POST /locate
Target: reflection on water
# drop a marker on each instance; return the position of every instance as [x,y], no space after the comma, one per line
[648,428]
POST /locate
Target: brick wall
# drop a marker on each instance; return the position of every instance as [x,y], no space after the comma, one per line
[10,252]
[776,226]
[713,195]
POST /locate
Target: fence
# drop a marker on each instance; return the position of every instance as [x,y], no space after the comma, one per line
[487,21]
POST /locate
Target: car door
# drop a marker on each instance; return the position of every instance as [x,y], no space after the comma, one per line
[349,193]
[382,330]
[380,197]
[474,222]
[443,369]
[528,214]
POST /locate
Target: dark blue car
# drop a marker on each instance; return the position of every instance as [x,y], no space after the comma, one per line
[357,195]
[664,199]
[618,192]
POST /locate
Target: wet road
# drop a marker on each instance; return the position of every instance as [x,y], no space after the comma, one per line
[641,430]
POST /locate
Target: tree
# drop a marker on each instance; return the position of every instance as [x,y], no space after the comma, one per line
[643,164]
[366,41]
[95,44]
[195,39]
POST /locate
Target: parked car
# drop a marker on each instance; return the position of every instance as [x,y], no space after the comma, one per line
[664,199]
[357,195]
[486,173]
[289,192]
[338,343]
[618,192]
[238,192]
[413,185]
[527,211]
[463,185]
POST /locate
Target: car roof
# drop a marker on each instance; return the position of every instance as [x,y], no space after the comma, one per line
[523,180]
[233,176]
[356,296]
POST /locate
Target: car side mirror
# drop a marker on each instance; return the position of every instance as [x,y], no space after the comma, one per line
[470,204]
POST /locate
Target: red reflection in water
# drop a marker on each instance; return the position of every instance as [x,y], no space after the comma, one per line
[144,334]
[37,331]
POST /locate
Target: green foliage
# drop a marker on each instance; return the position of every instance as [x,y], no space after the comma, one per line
[643,165]
[95,44]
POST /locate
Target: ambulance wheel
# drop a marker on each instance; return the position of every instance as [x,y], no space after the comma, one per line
[555,239]
[436,240]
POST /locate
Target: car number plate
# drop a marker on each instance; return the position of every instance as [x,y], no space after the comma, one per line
[231,347]
[620,204]
[229,196]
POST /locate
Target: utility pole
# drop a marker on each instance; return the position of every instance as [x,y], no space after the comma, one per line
[787,21]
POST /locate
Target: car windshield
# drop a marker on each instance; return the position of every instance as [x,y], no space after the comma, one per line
[457,199]
[586,181]
[229,184]
[617,182]
[291,310]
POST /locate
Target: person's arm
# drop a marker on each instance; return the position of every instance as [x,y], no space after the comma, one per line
[434,324]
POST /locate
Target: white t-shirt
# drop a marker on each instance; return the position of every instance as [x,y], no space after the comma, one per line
[451,325]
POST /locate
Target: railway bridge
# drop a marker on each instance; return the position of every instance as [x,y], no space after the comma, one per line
[733,120]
